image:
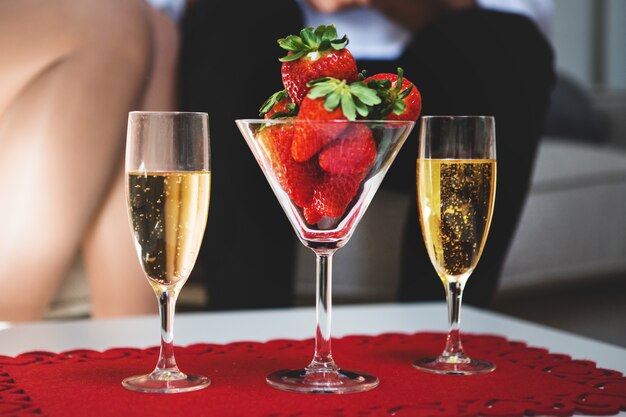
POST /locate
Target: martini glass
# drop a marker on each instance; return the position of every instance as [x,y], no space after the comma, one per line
[324,194]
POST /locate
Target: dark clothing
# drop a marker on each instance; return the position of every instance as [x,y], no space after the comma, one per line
[478,62]
[471,62]
[229,66]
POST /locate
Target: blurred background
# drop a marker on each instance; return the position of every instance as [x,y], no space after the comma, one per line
[589,37]
[567,265]
[574,276]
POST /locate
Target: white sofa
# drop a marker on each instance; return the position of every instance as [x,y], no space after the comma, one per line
[573,227]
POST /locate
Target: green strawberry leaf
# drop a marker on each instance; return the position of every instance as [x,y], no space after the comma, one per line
[364,93]
[272,101]
[321,90]
[399,82]
[319,31]
[347,105]
[361,108]
[309,39]
[324,45]
[379,84]
[399,107]
[320,81]
[332,101]
[383,113]
[405,93]
[291,43]
[354,98]
[293,57]
[338,44]
[291,108]
[392,98]
[329,33]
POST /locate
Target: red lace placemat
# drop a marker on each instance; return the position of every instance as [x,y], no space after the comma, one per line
[527,381]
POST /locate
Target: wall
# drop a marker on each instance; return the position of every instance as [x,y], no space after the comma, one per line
[589,37]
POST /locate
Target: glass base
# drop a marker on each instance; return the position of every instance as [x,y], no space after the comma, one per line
[454,366]
[322,382]
[166,382]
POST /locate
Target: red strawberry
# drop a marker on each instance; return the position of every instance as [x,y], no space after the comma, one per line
[297,179]
[401,100]
[278,105]
[310,135]
[311,215]
[328,99]
[314,54]
[333,193]
[353,153]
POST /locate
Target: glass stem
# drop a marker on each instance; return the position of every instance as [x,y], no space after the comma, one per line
[454,349]
[167,305]
[323,359]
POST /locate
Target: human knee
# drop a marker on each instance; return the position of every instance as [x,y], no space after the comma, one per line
[117,32]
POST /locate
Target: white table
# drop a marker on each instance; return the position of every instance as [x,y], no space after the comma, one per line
[297,323]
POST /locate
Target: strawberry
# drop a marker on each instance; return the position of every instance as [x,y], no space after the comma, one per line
[311,215]
[278,105]
[401,100]
[313,54]
[353,153]
[297,179]
[328,99]
[310,135]
[333,193]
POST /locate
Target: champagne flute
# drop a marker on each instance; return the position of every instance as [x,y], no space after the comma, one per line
[168,187]
[324,206]
[456,184]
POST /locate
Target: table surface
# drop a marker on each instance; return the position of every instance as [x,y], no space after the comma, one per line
[297,323]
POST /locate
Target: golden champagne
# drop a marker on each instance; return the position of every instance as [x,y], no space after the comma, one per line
[455,199]
[168,212]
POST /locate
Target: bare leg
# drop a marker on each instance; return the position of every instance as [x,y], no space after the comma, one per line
[67,83]
[118,286]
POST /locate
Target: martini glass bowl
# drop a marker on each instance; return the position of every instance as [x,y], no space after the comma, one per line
[324,174]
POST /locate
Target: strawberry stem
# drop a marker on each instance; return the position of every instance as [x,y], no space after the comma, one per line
[392,99]
[355,98]
[311,41]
